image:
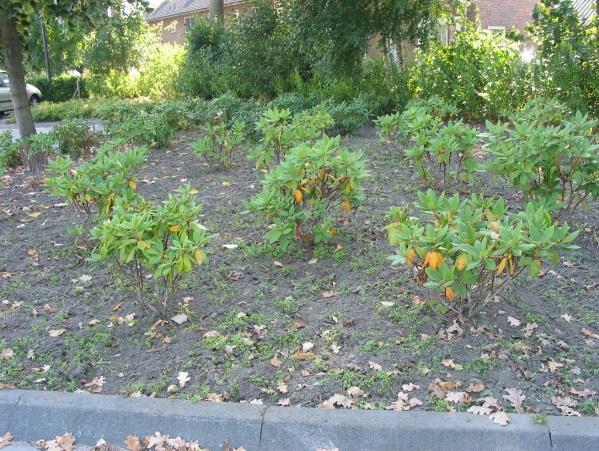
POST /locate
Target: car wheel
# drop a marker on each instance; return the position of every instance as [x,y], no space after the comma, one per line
[34,100]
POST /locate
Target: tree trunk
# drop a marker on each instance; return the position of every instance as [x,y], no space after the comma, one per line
[217,10]
[13,59]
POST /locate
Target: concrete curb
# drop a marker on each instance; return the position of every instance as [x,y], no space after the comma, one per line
[31,415]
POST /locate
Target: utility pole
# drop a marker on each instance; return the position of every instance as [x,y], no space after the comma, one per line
[45,44]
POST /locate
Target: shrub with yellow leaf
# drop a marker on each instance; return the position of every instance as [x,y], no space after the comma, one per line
[302,194]
[467,251]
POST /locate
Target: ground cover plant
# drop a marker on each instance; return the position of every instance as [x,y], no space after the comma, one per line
[332,324]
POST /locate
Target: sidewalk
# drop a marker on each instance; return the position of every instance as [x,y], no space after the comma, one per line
[34,415]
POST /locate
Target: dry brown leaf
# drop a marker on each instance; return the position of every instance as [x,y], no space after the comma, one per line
[6,386]
[410,387]
[554,366]
[449,363]
[304,356]
[95,386]
[588,333]
[132,443]
[475,388]
[285,402]
[307,346]
[355,392]
[6,353]
[479,410]
[500,418]
[515,397]
[179,318]
[339,401]
[514,322]
[457,397]
[374,366]
[6,439]
[275,362]
[582,393]
[282,387]
[56,332]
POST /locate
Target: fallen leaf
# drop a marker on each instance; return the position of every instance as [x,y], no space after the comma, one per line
[286,402]
[183,378]
[588,333]
[95,386]
[515,397]
[456,397]
[479,410]
[387,304]
[275,362]
[567,317]
[215,397]
[230,246]
[329,294]
[583,393]
[7,353]
[514,322]
[307,346]
[500,418]
[179,318]
[338,400]
[6,439]
[282,387]
[34,214]
[475,388]
[449,363]
[554,366]
[355,392]
[410,387]
[336,349]
[374,366]
[56,332]
[279,264]
[132,443]
[304,356]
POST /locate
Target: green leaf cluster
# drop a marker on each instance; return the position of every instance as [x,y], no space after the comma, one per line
[219,143]
[466,251]
[302,193]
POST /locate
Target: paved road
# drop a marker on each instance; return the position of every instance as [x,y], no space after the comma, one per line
[45,127]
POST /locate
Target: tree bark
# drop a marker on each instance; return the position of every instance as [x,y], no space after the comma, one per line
[217,10]
[13,59]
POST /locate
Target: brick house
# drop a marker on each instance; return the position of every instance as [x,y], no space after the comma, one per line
[176,16]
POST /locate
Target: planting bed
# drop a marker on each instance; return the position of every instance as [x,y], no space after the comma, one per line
[293,329]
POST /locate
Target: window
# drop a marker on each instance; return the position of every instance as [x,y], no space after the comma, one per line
[171,27]
[188,23]
[499,30]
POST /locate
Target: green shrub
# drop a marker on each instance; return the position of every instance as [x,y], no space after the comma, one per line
[94,186]
[220,142]
[151,129]
[39,147]
[557,165]
[466,252]
[10,151]
[59,88]
[302,193]
[541,111]
[165,240]
[567,64]
[74,137]
[479,71]
[280,131]
[347,116]
[446,155]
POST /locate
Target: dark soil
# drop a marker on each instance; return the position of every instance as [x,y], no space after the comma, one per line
[365,319]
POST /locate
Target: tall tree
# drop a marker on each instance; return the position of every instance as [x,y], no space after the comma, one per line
[15,26]
[217,10]
[339,31]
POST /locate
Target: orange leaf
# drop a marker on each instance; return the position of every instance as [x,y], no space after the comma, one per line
[298,196]
[433,259]
[174,228]
[461,262]
[449,294]
[346,205]
[410,254]
[501,266]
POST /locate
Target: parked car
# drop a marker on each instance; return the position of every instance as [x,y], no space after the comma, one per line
[33,93]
